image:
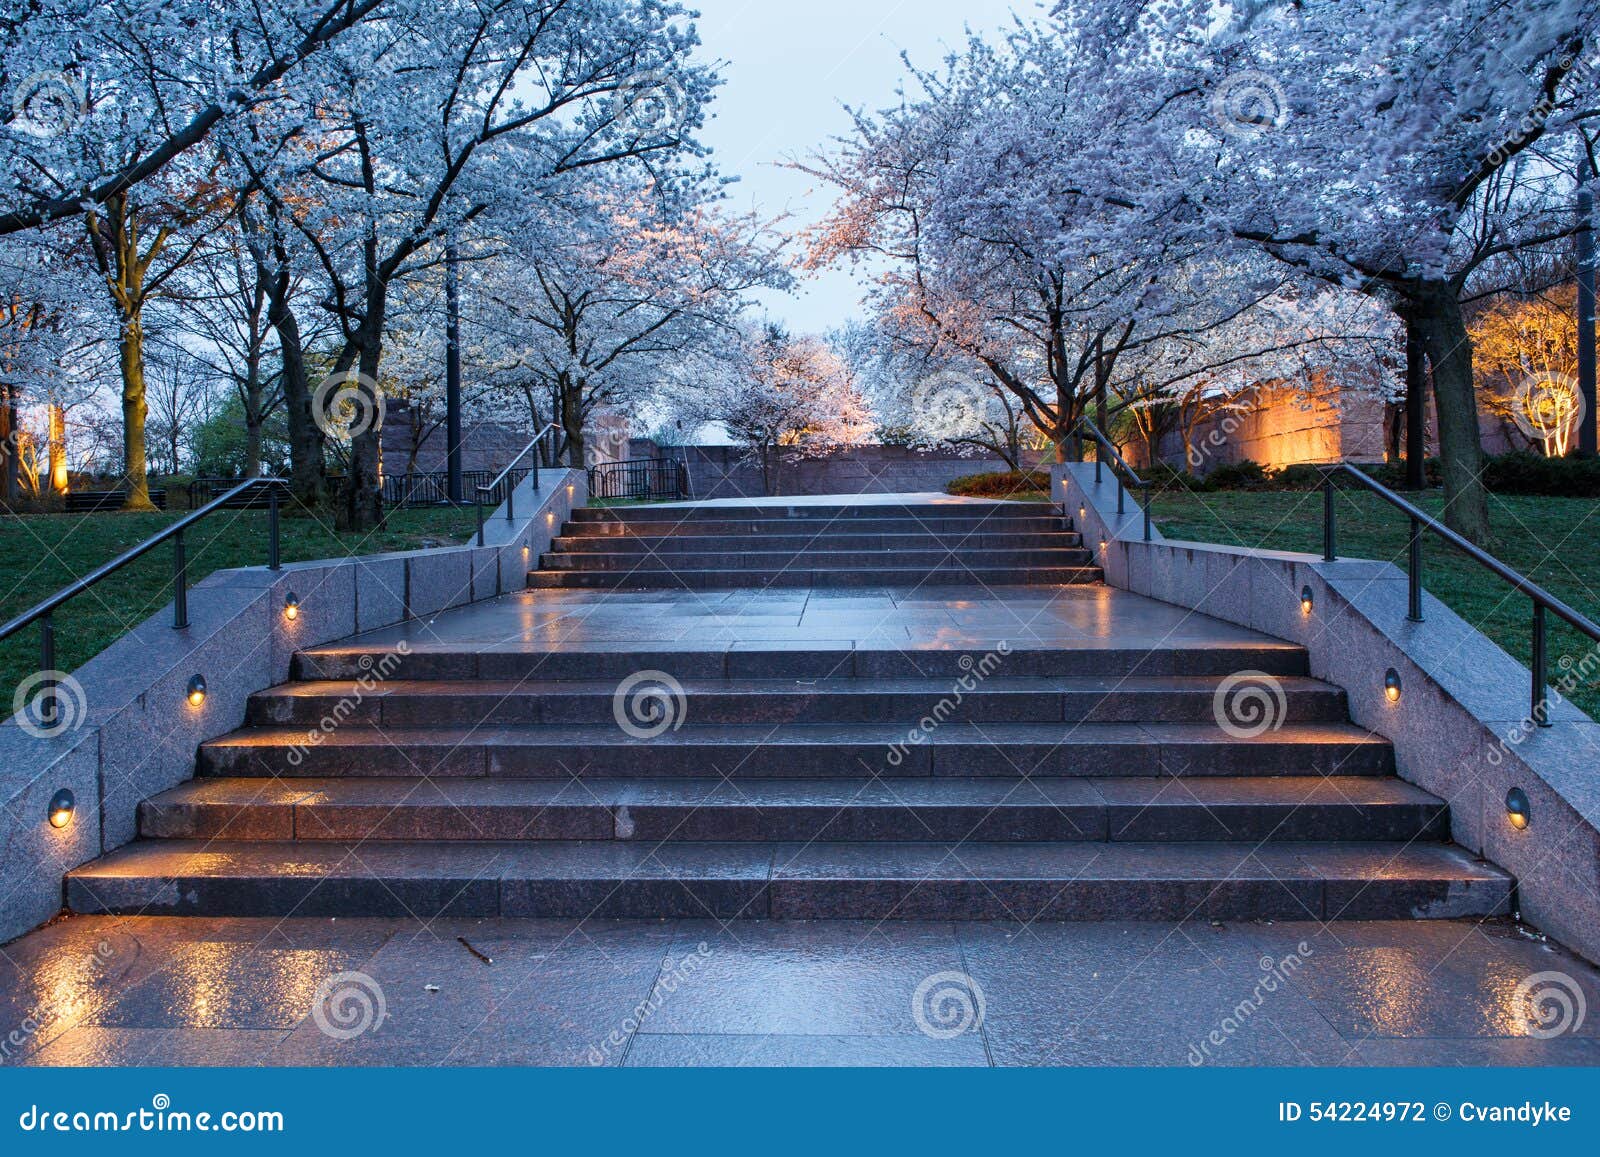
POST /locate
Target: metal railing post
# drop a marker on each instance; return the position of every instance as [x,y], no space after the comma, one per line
[273,557]
[180,584]
[1414,573]
[479,504]
[1541,707]
[49,707]
[1147,512]
[1329,536]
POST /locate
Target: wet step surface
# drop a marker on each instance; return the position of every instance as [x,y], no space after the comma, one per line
[877,880]
[1146,809]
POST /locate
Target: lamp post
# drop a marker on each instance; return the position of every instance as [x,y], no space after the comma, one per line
[452,374]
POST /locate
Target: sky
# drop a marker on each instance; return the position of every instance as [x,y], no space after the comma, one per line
[789,68]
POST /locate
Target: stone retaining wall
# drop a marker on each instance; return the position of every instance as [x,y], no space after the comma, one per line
[1459,728]
[136,734]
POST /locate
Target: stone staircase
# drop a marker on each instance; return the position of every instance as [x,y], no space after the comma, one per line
[1088,782]
[808,545]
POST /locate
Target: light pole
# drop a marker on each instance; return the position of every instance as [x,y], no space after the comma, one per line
[452,374]
[1586,374]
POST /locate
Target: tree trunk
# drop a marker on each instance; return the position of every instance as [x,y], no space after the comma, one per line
[1437,315]
[134,411]
[361,496]
[308,474]
[572,419]
[10,446]
[56,448]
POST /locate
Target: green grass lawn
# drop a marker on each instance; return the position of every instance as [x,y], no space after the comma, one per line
[41,553]
[1551,540]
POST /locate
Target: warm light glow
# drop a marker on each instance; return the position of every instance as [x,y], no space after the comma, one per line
[1307,600]
[197,691]
[1391,685]
[291,607]
[61,806]
[1517,808]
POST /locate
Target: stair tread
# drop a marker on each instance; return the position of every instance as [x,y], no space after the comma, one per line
[851,685]
[607,859]
[952,732]
[950,791]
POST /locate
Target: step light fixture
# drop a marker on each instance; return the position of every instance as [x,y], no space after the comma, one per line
[1391,685]
[197,690]
[291,607]
[61,806]
[1307,600]
[1517,810]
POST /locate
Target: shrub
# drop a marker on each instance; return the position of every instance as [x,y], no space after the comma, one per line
[1242,475]
[1163,476]
[1393,474]
[1001,484]
[1301,476]
[1524,472]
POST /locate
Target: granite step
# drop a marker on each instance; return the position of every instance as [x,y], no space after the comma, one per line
[745,526]
[996,699]
[809,512]
[661,578]
[798,750]
[831,538]
[1162,809]
[1073,880]
[1171,654]
[821,556]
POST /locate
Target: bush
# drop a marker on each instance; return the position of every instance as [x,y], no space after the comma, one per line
[1002,484]
[1164,476]
[1301,476]
[1524,472]
[1242,475]
[1393,474]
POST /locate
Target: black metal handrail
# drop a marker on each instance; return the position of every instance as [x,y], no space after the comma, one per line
[1106,450]
[639,478]
[1420,520]
[44,613]
[533,472]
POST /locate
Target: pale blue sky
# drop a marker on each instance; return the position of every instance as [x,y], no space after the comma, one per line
[788,68]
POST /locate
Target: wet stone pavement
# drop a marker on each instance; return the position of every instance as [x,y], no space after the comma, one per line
[176,991]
